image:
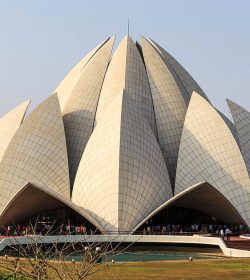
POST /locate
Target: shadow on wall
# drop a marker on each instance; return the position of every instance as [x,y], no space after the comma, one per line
[31,201]
[78,126]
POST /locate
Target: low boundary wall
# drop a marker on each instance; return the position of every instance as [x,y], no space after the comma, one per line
[167,239]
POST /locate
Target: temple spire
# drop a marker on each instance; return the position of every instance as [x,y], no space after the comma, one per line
[128,26]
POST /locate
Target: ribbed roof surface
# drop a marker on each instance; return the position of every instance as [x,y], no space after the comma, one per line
[123,135]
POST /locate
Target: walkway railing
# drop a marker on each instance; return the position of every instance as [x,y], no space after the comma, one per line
[123,238]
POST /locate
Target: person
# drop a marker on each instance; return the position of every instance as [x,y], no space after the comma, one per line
[169,229]
[8,230]
[26,230]
[148,229]
[241,228]
[210,228]
[222,233]
[84,230]
[164,229]
[68,229]
[228,233]
[196,228]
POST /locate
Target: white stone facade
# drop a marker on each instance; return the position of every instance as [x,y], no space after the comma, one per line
[209,152]
[122,175]
[123,137]
[9,124]
[242,122]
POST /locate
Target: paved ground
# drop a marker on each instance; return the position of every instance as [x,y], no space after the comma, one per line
[239,243]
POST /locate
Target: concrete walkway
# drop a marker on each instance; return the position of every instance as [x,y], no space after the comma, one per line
[239,243]
[150,239]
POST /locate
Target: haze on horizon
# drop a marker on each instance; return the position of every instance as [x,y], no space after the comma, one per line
[42,40]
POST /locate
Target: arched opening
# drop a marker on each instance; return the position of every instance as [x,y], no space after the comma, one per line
[182,215]
[201,205]
[33,206]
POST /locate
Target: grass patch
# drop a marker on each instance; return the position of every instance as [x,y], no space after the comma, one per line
[230,269]
[198,269]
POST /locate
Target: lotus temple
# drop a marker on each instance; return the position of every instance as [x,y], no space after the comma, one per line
[126,137]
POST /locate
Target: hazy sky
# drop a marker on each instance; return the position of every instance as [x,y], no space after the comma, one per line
[41,40]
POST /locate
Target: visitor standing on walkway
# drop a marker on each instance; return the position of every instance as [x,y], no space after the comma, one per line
[228,233]
[222,233]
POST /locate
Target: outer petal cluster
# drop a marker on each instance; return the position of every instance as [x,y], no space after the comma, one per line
[123,137]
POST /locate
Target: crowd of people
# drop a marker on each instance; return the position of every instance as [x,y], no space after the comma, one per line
[48,229]
[213,229]
[149,228]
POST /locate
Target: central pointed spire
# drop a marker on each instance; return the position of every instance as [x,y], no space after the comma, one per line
[127,71]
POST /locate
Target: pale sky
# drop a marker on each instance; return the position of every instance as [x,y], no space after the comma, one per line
[41,40]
